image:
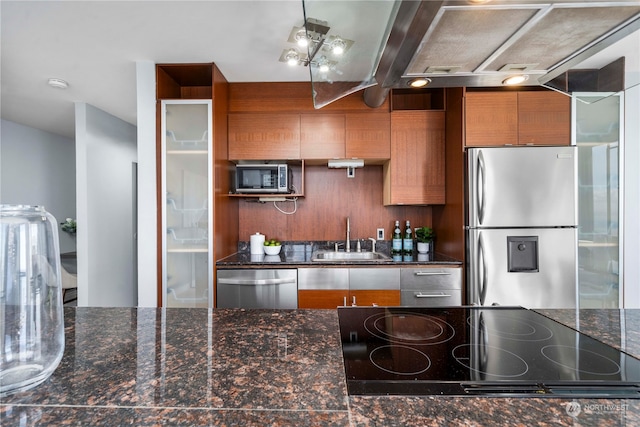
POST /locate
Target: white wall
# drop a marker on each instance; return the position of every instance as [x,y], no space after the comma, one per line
[147,204]
[105,153]
[38,168]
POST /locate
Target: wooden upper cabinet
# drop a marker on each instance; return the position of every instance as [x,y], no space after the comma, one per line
[322,136]
[544,118]
[491,118]
[351,135]
[517,118]
[368,136]
[268,136]
[415,175]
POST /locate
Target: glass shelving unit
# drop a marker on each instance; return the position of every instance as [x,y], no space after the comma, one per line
[187,268]
[597,126]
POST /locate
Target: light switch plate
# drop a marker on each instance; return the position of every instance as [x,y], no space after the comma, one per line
[380,234]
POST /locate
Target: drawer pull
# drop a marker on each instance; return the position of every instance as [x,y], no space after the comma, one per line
[430,273]
[440,295]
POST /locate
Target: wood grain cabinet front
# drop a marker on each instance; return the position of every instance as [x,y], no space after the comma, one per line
[331,287]
[517,118]
[352,135]
[264,136]
[368,136]
[323,287]
[415,175]
[544,118]
[322,136]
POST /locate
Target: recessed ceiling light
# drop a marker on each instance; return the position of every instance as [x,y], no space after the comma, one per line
[419,82]
[57,83]
[514,80]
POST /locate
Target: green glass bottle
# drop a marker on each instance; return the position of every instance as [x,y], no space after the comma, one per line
[407,240]
[396,240]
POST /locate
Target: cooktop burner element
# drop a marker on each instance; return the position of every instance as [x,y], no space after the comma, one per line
[503,351]
[412,328]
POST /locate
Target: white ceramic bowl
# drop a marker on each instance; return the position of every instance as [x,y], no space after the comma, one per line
[272,250]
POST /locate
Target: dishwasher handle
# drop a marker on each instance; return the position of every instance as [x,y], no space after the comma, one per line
[255,282]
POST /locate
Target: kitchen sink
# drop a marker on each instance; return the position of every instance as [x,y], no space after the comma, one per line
[328,256]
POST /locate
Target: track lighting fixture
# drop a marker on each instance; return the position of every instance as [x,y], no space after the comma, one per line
[313,37]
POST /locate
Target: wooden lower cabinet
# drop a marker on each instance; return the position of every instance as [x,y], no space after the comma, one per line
[339,286]
[329,299]
[320,298]
[374,297]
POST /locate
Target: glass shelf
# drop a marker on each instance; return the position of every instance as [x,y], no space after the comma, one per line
[187,276]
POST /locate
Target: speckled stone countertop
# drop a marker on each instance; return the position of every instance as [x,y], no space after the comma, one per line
[617,328]
[299,254]
[192,367]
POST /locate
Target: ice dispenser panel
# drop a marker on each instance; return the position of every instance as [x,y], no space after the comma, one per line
[523,254]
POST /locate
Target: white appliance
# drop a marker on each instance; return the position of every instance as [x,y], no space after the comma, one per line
[521,218]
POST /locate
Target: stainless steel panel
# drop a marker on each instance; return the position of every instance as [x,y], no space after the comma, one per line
[374,278]
[522,187]
[552,286]
[323,278]
[430,278]
[257,288]
[441,298]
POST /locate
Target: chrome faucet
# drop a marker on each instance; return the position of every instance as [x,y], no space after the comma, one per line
[347,244]
[373,244]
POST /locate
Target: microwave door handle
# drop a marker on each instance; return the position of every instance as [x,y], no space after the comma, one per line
[481,187]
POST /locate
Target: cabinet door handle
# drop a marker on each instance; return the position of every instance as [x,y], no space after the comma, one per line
[431,273]
[354,300]
[440,295]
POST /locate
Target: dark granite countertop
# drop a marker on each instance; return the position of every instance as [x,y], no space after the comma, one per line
[148,366]
[615,327]
[298,254]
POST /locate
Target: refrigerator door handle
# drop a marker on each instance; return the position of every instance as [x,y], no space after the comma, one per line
[482,271]
[480,182]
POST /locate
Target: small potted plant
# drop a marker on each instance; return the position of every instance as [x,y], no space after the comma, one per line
[424,236]
[69,225]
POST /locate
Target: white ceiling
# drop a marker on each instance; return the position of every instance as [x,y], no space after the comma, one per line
[94,46]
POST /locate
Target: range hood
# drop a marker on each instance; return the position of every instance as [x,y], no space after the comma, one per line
[480,43]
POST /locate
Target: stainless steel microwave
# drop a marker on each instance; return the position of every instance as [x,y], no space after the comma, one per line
[263,178]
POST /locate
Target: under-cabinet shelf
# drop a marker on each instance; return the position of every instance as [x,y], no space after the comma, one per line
[188,249]
[191,152]
[172,141]
[262,195]
[188,235]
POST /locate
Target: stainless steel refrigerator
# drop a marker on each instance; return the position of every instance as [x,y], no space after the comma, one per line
[521,225]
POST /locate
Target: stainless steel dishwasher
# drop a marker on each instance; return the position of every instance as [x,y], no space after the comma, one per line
[257,288]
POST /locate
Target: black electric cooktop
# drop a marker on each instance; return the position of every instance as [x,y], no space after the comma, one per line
[477,351]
